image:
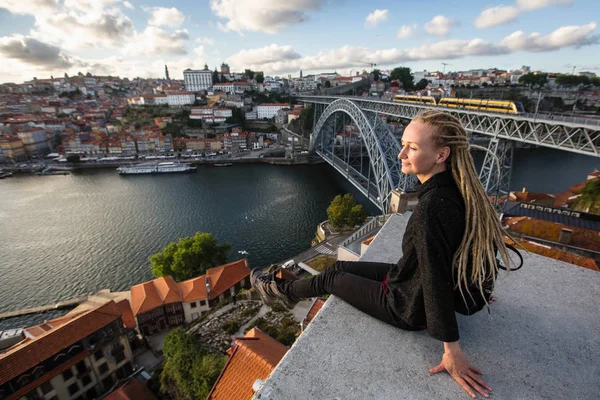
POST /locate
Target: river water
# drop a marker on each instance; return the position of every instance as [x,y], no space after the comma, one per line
[66,236]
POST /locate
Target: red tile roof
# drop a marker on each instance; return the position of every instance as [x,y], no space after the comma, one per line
[149,295]
[22,357]
[314,309]
[133,389]
[252,357]
[193,289]
[223,277]
[126,314]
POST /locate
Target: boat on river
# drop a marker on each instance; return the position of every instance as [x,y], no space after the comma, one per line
[169,167]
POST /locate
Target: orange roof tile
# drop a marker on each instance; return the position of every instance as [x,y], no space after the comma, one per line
[193,289]
[252,357]
[24,356]
[133,389]
[314,309]
[167,289]
[225,276]
[144,297]
[126,314]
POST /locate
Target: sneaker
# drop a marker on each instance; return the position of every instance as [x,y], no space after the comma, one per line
[265,285]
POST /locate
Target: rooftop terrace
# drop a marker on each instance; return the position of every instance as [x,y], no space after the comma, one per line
[540,341]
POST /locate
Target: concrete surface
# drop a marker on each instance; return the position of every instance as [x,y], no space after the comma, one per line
[541,341]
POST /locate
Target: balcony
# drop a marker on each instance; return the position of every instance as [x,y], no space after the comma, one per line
[540,341]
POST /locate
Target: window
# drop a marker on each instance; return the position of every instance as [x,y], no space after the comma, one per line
[202,302]
[120,356]
[67,374]
[107,382]
[73,388]
[103,369]
[81,367]
[46,387]
[86,380]
[98,355]
[195,316]
[91,394]
[193,304]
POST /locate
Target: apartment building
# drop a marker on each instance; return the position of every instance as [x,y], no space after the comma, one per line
[197,80]
[269,110]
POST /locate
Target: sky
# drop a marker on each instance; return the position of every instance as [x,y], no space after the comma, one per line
[137,38]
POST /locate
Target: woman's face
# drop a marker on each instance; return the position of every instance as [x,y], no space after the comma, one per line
[420,155]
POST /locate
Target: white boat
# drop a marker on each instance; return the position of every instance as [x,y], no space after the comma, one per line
[154,168]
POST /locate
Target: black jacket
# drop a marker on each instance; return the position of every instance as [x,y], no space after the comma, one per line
[421,287]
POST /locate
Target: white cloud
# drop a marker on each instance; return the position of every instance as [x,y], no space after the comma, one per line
[128,5]
[199,51]
[208,41]
[284,59]
[156,41]
[440,26]
[162,16]
[29,7]
[499,15]
[376,17]
[269,16]
[31,51]
[406,31]
[535,4]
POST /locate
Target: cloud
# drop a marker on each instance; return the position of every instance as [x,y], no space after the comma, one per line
[440,26]
[208,41]
[156,41]
[33,52]
[497,16]
[284,59]
[162,16]
[128,5]
[406,31]
[535,4]
[376,17]
[502,14]
[199,51]
[269,16]
[29,7]
[75,30]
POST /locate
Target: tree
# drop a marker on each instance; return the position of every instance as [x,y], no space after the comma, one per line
[307,116]
[216,76]
[376,74]
[189,257]
[404,75]
[73,158]
[422,84]
[249,73]
[189,370]
[534,80]
[590,197]
[572,80]
[260,77]
[327,84]
[343,211]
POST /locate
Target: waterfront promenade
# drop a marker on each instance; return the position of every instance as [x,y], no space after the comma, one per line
[41,309]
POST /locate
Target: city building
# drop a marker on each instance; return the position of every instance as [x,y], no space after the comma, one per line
[281,117]
[176,99]
[156,305]
[269,110]
[225,69]
[236,141]
[71,357]
[197,80]
[251,358]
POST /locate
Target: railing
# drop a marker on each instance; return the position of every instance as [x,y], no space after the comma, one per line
[376,222]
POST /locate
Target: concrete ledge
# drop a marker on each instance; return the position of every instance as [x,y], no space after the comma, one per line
[541,341]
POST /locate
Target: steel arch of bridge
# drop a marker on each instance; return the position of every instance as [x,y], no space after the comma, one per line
[575,136]
[382,148]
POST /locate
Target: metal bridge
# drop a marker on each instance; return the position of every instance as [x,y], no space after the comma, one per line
[370,162]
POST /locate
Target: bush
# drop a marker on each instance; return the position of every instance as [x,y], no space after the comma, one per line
[279,307]
[320,263]
[231,327]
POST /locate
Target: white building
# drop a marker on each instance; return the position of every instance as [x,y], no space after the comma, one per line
[224,87]
[175,99]
[269,110]
[197,80]
[194,298]
[222,112]
[251,115]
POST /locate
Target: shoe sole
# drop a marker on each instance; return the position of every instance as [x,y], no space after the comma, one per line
[254,275]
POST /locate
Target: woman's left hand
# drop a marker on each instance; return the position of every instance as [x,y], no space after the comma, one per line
[461,370]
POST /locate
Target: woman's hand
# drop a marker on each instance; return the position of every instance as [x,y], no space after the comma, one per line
[458,366]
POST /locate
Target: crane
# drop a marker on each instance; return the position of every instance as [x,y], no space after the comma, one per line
[444,71]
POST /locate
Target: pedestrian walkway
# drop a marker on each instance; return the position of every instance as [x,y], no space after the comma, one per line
[327,249]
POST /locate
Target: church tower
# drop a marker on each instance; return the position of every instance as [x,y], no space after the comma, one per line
[167,73]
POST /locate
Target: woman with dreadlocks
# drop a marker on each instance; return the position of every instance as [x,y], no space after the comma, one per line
[449,251]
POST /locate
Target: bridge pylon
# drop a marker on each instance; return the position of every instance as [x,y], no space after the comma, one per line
[496,169]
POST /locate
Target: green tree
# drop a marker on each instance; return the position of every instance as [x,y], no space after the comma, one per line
[189,371]
[189,257]
[215,76]
[327,84]
[307,116]
[404,75]
[534,80]
[260,77]
[73,158]
[344,212]
[590,197]
[249,73]
[422,84]
[376,74]
[572,80]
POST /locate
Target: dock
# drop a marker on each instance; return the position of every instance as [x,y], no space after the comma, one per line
[34,310]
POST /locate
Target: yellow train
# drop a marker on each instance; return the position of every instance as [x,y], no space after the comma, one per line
[502,106]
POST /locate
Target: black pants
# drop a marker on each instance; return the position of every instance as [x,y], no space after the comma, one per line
[357,283]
